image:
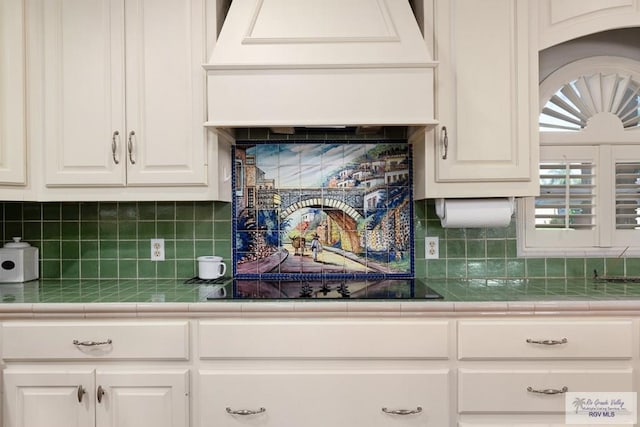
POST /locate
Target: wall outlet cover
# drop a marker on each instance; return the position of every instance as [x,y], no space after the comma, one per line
[157,249]
[431,248]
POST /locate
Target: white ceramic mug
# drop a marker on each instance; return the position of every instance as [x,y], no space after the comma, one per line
[211,267]
[211,291]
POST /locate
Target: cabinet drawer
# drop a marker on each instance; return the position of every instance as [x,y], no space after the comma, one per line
[485,390]
[324,397]
[129,340]
[611,339]
[324,339]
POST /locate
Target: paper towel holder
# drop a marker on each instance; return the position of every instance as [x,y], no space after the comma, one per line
[441,201]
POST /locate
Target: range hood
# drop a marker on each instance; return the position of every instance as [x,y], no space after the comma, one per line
[320,63]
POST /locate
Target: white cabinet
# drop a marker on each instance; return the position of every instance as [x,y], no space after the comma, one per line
[96,373]
[124,93]
[320,397]
[288,369]
[527,366]
[51,399]
[82,397]
[12,93]
[486,98]
[321,372]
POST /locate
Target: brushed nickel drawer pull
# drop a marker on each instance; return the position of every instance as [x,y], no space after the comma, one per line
[114,147]
[444,137]
[130,147]
[92,343]
[245,411]
[548,342]
[549,390]
[100,394]
[81,392]
[402,411]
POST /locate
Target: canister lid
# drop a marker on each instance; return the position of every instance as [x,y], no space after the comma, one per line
[17,244]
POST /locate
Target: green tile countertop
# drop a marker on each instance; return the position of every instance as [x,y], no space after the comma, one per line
[534,290]
[103,291]
[176,291]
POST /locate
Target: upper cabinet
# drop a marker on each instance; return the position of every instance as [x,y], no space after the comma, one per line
[12,93]
[486,142]
[124,93]
[562,20]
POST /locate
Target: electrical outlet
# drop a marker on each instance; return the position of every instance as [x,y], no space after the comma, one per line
[157,249]
[431,248]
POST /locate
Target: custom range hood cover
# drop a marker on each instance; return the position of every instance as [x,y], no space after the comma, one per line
[320,63]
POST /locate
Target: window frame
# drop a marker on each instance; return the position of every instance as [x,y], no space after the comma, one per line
[605,142]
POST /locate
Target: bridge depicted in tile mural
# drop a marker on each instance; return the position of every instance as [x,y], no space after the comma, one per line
[347,200]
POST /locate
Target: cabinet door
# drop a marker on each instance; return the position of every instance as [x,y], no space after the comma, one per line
[165,92]
[487,91]
[37,398]
[12,93]
[84,92]
[323,398]
[143,399]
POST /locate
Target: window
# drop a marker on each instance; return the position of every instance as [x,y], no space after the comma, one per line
[589,202]
[627,191]
[567,196]
[240,178]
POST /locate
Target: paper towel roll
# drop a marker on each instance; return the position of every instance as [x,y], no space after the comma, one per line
[475,213]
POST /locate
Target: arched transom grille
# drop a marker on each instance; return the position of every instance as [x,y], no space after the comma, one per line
[571,107]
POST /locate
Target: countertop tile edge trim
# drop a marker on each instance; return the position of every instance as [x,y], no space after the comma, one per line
[404,309]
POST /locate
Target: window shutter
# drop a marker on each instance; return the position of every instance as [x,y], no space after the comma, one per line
[628,195]
[567,196]
[571,107]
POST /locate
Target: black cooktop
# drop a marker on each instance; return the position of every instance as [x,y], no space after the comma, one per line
[333,289]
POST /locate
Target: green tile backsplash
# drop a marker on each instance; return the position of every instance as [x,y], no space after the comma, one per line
[109,240]
[490,253]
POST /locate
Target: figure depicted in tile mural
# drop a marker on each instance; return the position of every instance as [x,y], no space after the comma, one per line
[316,247]
[353,199]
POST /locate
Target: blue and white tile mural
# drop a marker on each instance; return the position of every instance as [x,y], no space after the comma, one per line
[323,209]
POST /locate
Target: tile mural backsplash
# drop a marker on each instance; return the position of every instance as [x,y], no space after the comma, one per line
[334,208]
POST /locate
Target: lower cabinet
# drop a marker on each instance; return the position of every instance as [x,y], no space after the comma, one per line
[324,372]
[320,398]
[310,372]
[517,372]
[63,396]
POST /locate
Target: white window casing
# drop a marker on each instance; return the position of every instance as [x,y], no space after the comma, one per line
[589,202]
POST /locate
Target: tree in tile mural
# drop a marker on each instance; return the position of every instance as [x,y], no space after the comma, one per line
[326,208]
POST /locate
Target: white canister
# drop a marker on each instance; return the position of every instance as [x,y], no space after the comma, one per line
[211,267]
[18,262]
